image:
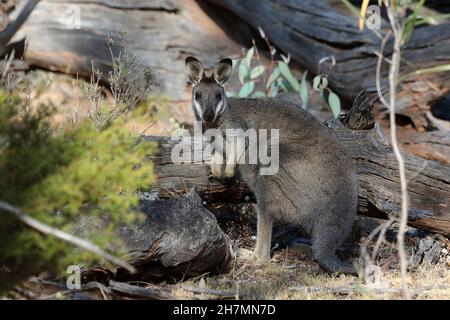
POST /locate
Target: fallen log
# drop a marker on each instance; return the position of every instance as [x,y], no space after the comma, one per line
[178,238]
[68,36]
[428,181]
[311,30]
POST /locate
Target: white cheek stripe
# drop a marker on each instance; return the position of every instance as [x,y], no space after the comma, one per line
[199,109]
[220,108]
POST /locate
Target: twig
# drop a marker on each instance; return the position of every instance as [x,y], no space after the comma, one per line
[74,240]
[220,293]
[378,72]
[357,289]
[104,291]
[8,61]
[148,292]
[12,27]
[397,28]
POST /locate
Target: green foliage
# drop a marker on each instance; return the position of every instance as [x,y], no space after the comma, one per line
[60,176]
[320,84]
[130,82]
[304,91]
[411,22]
[277,77]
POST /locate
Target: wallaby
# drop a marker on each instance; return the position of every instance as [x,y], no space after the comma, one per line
[315,186]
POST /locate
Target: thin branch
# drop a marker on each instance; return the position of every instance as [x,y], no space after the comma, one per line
[397,28]
[378,72]
[221,293]
[11,28]
[148,292]
[64,236]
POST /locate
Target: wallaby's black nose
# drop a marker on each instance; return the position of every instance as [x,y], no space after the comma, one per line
[208,117]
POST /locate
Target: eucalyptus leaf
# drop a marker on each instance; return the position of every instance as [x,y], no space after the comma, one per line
[273,77]
[247,89]
[320,83]
[248,57]
[436,69]
[284,69]
[274,88]
[243,72]
[230,94]
[256,72]
[258,94]
[304,91]
[286,59]
[411,22]
[262,33]
[283,84]
[335,103]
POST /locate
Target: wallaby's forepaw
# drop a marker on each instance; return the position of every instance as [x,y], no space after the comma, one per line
[216,170]
[247,255]
[217,165]
[229,171]
[252,257]
[261,258]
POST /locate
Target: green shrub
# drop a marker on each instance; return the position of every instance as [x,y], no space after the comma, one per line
[60,175]
[277,77]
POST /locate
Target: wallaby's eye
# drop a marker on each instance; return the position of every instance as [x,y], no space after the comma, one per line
[218,96]
[197,96]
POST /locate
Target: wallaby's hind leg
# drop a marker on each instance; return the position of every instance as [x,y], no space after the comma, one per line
[325,242]
[263,237]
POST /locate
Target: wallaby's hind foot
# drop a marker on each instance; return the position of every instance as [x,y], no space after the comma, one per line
[327,238]
[331,264]
[302,246]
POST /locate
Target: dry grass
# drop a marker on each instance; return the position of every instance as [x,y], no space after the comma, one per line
[293,276]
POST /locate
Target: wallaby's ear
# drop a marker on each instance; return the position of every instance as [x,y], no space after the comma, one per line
[194,69]
[222,70]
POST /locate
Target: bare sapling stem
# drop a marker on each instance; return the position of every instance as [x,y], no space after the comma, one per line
[394,70]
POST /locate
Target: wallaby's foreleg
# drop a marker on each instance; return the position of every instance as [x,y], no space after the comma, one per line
[217,164]
[263,237]
[231,153]
[235,150]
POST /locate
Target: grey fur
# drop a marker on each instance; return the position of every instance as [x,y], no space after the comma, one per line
[316,185]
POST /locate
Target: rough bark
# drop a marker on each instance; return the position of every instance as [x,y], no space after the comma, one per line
[160,33]
[177,239]
[11,28]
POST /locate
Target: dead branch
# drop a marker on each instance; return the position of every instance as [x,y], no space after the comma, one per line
[64,236]
[11,29]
